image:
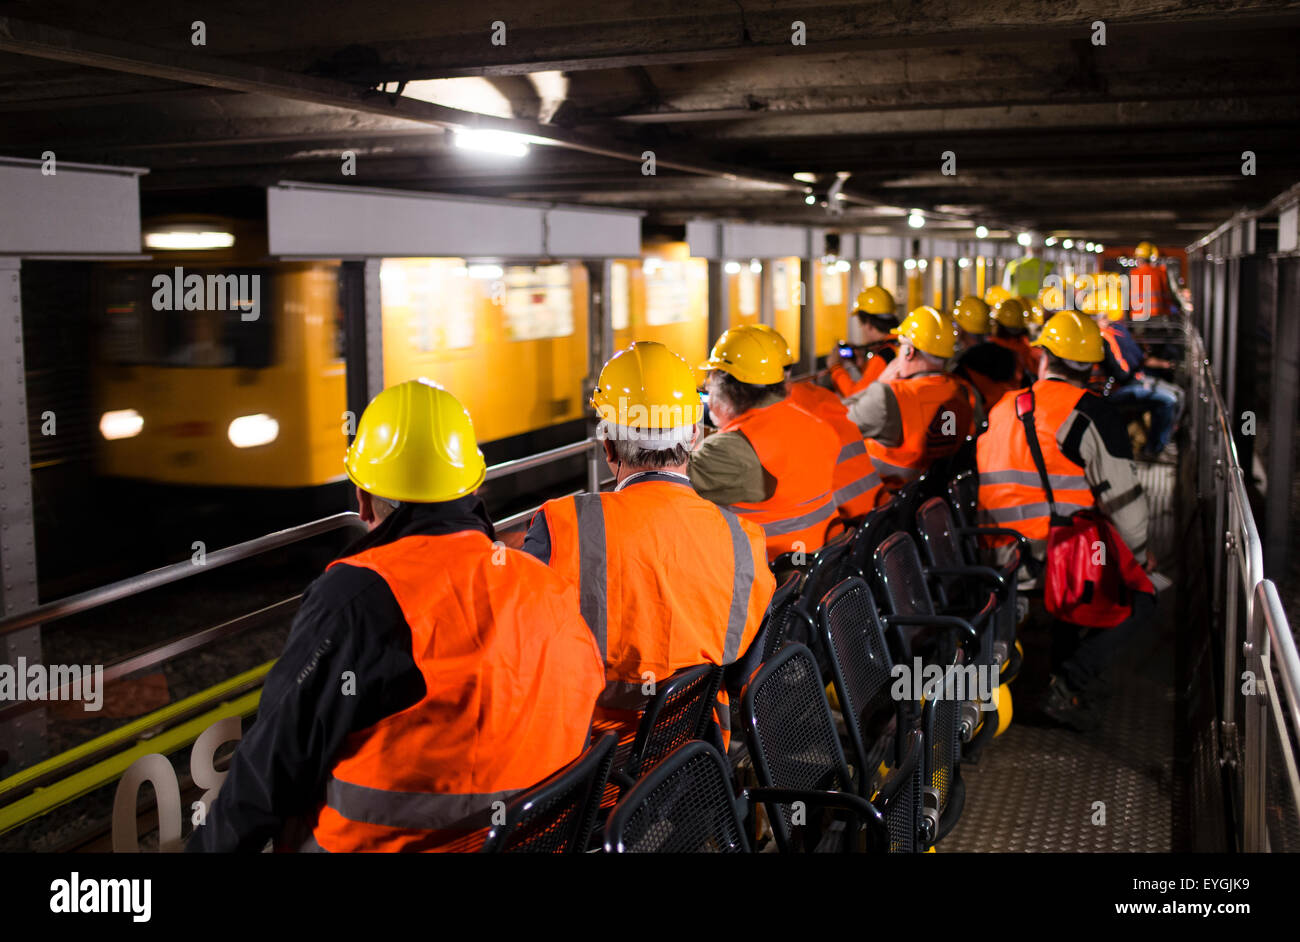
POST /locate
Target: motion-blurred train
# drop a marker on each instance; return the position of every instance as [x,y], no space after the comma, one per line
[194,390]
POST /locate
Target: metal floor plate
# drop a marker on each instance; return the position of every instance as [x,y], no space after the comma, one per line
[1037,788]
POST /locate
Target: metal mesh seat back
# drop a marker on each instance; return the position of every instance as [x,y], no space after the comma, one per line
[824,572]
[939,533]
[792,736]
[560,822]
[860,657]
[684,806]
[903,816]
[681,713]
[941,722]
[963,495]
[898,568]
[780,612]
[865,540]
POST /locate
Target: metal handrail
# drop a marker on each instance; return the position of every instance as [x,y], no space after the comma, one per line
[1269,643]
[165,575]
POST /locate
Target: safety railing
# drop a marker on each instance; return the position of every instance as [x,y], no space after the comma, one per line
[64,777]
[1261,670]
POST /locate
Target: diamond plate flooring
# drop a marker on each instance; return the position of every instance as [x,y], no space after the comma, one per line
[1037,788]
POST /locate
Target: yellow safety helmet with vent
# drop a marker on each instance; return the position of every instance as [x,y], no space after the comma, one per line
[972,315]
[877,302]
[929,331]
[779,344]
[415,442]
[647,386]
[1146,250]
[748,355]
[1072,336]
[1010,312]
[997,294]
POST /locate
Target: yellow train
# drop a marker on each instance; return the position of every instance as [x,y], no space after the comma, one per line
[217,367]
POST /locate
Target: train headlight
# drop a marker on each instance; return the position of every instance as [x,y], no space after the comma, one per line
[249,431]
[120,423]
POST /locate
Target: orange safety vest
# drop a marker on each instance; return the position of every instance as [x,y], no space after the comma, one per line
[511,677]
[800,452]
[1011,490]
[858,488]
[1111,336]
[879,356]
[666,580]
[1148,292]
[929,432]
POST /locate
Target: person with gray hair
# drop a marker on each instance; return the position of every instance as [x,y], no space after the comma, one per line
[666,580]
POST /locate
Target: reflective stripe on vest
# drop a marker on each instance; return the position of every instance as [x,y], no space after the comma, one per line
[1112,340]
[1010,488]
[799,451]
[522,670]
[651,568]
[923,400]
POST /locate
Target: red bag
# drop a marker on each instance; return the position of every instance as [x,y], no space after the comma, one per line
[1091,573]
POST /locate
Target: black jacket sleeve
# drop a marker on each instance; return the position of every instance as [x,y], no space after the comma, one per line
[347,665]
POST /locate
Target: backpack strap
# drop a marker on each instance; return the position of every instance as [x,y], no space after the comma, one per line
[1025,413]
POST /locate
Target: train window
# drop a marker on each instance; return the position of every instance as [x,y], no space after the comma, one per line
[832,285]
[619,295]
[539,302]
[782,299]
[747,292]
[222,320]
[435,296]
[667,293]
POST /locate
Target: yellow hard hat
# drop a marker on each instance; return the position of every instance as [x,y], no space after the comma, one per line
[1146,250]
[1010,312]
[647,386]
[1052,298]
[929,331]
[747,354]
[779,344]
[1072,336]
[877,302]
[972,315]
[415,442]
[995,294]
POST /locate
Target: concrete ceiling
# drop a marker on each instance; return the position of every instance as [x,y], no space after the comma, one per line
[1142,137]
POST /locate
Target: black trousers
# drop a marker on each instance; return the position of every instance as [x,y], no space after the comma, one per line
[1081,655]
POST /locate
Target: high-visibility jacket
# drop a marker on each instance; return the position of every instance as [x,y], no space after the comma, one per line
[1026,355]
[1148,292]
[879,356]
[666,580]
[511,676]
[799,451]
[858,488]
[937,415]
[1010,490]
[1111,336]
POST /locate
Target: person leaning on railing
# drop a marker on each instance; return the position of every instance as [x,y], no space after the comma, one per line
[1089,462]
[429,673]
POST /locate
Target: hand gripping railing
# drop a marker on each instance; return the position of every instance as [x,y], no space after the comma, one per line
[1271,668]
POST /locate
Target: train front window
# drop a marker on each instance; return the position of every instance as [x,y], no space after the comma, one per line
[166,317]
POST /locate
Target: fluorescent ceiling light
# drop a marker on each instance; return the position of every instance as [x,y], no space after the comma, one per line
[492,142]
[188,239]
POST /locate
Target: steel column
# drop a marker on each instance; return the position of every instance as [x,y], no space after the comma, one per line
[22,737]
